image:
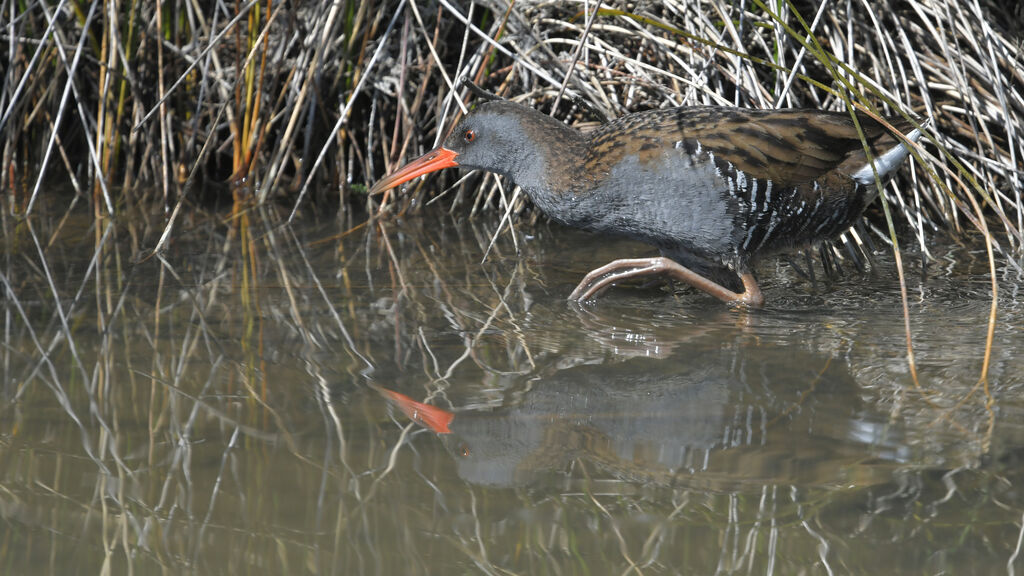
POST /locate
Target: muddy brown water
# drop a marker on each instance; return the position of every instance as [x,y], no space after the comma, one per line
[228,407]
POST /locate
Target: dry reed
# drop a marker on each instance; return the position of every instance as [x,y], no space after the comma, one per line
[176,102]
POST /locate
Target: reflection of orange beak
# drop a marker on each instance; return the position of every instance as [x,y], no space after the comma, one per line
[430,416]
[432,161]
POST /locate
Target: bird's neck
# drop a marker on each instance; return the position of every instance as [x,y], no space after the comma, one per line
[550,171]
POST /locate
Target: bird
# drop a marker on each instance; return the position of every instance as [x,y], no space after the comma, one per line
[713,188]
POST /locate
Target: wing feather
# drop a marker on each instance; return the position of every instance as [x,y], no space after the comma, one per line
[789,147]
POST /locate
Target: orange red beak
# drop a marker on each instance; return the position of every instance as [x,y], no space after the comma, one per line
[432,161]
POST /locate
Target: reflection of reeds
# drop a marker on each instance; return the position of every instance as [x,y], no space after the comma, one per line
[213,398]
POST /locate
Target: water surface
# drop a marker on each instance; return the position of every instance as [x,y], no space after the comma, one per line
[229,406]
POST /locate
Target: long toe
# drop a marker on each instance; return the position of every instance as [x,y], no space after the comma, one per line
[614,272]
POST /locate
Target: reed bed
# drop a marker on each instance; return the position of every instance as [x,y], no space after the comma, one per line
[303,103]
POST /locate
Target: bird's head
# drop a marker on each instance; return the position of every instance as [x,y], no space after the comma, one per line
[500,137]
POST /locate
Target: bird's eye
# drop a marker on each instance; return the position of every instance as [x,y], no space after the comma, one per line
[469,136]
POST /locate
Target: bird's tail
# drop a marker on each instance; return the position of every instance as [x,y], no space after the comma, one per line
[887,162]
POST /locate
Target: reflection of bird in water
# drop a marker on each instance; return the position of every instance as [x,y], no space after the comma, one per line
[710,417]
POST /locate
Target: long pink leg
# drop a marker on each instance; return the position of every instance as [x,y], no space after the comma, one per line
[619,270]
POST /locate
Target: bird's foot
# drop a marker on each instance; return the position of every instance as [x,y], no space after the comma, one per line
[602,278]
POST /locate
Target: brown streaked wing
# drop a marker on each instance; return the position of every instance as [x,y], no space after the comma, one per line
[789,147]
